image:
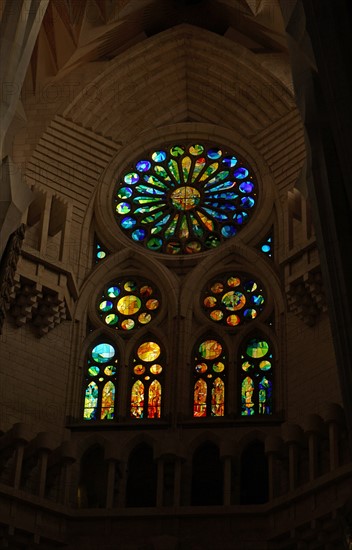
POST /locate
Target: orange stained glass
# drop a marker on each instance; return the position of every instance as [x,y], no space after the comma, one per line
[200,398]
[148,351]
[210,301]
[152,304]
[210,349]
[108,401]
[154,400]
[137,399]
[218,398]
[128,305]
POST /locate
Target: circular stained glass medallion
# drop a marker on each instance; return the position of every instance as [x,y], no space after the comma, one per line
[232,300]
[185,199]
[128,304]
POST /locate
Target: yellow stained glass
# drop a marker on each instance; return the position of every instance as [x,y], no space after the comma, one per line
[128,305]
[149,351]
[210,349]
[185,198]
[154,400]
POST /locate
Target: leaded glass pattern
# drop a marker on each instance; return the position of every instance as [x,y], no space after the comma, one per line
[128,303]
[147,377]
[100,382]
[185,199]
[233,299]
[256,366]
[209,372]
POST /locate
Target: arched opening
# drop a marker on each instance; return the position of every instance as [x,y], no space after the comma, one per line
[141,477]
[93,479]
[207,476]
[254,474]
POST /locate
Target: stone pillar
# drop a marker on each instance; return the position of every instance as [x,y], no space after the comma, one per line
[273,445]
[334,417]
[110,483]
[314,429]
[292,436]
[160,482]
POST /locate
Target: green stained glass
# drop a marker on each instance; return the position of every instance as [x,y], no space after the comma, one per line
[170,231]
[173,166]
[184,232]
[210,349]
[257,348]
[111,319]
[93,371]
[185,178]
[91,402]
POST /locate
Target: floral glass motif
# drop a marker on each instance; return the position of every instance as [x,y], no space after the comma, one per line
[185,199]
[233,299]
[127,304]
[100,382]
[256,364]
[209,370]
[147,369]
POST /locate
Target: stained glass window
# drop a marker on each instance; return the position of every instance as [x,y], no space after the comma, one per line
[100,252]
[185,199]
[256,364]
[147,376]
[128,303]
[209,372]
[100,382]
[233,299]
[266,246]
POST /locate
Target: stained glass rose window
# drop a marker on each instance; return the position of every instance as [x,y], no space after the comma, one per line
[185,199]
[233,299]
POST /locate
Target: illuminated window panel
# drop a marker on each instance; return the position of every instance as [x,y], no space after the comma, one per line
[232,300]
[147,373]
[209,372]
[100,382]
[185,199]
[256,373]
[100,252]
[128,303]
[266,246]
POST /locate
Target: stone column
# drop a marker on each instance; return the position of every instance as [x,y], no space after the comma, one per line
[292,436]
[273,445]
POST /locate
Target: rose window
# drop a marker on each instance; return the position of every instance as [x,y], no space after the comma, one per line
[185,199]
[233,300]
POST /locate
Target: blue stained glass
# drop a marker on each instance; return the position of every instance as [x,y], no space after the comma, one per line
[228,231]
[159,156]
[222,187]
[123,208]
[143,165]
[214,214]
[266,248]
[124,193]
[220,176]
[103,353]
[164,220]
[222,206]
[225,196]
[149,190]
[240,218]
[131,178]
[246,187]
[230,161]
[128,223]
[101,254]
[241,173]
[247,202]
[113,291]
[139,234]
[214,154]
[257,300]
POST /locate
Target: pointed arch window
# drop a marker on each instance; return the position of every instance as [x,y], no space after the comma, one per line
[209,373]
[100,381]
[256,365]
[147,379]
